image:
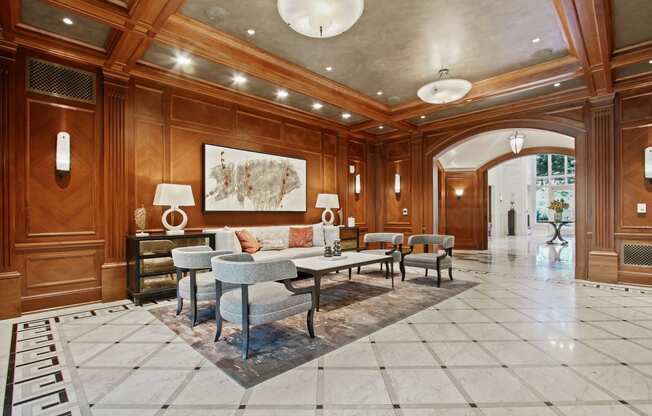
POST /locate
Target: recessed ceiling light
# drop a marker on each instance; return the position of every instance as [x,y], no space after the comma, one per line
[381,127]
[650,61]
[67,20]
[251,32]
[536,40]
[329,68]
[183,59]
[317,105]
[282,94]
[379,93]
[239,79]
[346,116]
[556,84]
[422,117]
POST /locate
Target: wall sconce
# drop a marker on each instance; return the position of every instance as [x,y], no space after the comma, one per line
[63,153]
[358,184]
[397,184]
[459,192]
[351,169]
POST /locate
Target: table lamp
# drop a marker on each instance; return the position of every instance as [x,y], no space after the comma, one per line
[175,196]
[327,201]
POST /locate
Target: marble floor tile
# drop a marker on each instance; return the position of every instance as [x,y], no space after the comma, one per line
[593,410]
[300,387]
[518,353]
[561,384]
[487,332]
[146,386]
[424,386]
[462,354]
[493,385]
[623,381]
[209,386]
[404,354]
[440,332]
[354,387]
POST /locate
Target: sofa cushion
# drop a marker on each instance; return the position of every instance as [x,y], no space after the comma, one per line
[225,239]
[248,242]
[300,237]
[272,245]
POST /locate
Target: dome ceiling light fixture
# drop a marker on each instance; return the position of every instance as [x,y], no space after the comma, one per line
[444,90]
[320,18]
[516,141]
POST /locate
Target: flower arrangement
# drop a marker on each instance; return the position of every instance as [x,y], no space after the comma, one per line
[558,205]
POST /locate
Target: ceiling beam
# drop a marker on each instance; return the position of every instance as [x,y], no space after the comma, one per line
[146,19]
[175,80]
[187,34]
[101,11]
[587,25]
[641,53]
[524,79]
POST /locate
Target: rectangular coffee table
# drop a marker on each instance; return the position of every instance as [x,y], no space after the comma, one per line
[319,266]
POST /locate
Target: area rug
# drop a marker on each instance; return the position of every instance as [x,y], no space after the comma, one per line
[349,310]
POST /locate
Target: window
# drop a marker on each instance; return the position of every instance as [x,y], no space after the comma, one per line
[555,179]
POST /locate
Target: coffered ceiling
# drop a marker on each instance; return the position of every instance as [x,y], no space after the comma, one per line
[398,46]
[512,50]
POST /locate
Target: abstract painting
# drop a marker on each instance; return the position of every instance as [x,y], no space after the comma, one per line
[242,180]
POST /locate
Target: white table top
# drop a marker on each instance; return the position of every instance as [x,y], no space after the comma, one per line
[352,259]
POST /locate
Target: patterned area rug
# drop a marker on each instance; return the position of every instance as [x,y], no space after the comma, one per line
[349,311]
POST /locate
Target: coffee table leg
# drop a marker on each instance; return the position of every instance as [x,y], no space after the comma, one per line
[392,273]
[317,289]
[386,270]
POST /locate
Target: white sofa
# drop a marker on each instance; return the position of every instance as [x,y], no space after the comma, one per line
[225,239]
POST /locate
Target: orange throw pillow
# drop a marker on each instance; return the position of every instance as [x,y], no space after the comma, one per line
[248,241]
[300,237]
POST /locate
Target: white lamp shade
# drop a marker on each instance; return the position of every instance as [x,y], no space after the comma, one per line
[320,18]
[327,201]
[397,183]
[358,184]
[174,195]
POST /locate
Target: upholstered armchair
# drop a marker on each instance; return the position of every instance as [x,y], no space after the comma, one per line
[393,239]
[261,298]
[437,260]
[197,285]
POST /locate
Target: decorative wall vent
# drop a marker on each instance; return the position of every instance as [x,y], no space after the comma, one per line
[60,81]
[637,255]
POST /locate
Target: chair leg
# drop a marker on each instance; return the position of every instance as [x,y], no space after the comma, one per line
[218,315]
[358,270]
[438,277]
[349,274]
[179,298]
[245,322]
[310,322]
[392,274]
[450,273]
[193,297]
[402,267]
[426,272]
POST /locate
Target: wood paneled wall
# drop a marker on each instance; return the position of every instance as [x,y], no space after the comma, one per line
[59,234]
[170,127]
[63,236]
[465,216]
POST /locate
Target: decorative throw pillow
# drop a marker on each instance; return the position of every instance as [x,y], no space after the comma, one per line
[247,241]
[300,237]
[271,245]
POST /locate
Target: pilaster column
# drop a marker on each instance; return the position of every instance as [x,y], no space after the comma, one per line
[603,259]
[116,201]
[417,205]
[10,279]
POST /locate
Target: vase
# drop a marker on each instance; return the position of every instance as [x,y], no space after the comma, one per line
[558,216]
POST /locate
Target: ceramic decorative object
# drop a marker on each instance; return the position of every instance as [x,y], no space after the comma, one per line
[337,248]
[140,217]
[328,251]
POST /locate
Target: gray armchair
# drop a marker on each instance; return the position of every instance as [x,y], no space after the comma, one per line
[196,286]
[261,298]
[396,242]
[437,260]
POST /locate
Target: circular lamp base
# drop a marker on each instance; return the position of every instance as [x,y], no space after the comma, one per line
[328,212]
[174,229]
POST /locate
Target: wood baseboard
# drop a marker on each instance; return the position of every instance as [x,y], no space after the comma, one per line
[67,298]
[114,281]
[603,266]
[10,295]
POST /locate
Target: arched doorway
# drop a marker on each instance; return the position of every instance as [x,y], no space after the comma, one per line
[570,128]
